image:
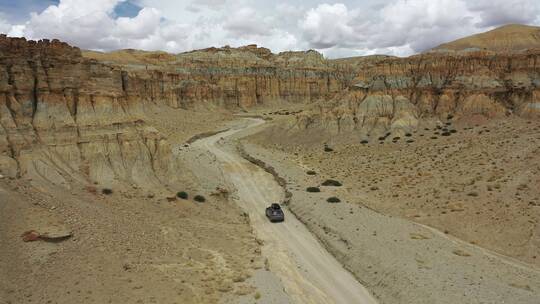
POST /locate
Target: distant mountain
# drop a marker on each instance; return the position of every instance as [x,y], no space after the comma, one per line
[508,38]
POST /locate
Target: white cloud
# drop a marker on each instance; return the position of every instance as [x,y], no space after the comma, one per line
[246,22]
[496,12]
[146,23]
[328,25]
[337,28]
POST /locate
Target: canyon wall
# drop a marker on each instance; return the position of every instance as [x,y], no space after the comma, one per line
[65,119]
[226,77]
[392,94]
[70,116]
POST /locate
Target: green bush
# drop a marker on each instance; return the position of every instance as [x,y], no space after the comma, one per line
[182,195]
[199,198]
[331,182]
[333,199]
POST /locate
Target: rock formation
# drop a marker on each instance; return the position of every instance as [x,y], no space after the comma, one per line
[66,119]
[226,77]
[67,115]
[391,94]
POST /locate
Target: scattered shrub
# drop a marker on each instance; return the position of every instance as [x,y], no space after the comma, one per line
[363,142]
[328,149]
[311,172]
[472,193]
[106,191]
[446,134]
[396,138]
[410,141]
[182,195]
[408,134]
[199,198]
[453,131]
[313,189]
[331,182]
[333,199]
[382,138]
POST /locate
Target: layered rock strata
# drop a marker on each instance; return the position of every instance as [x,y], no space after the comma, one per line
[64,118]
[390,93]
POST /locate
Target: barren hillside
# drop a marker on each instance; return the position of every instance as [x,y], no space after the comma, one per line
[508,38]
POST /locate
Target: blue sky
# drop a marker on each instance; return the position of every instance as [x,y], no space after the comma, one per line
[336,28]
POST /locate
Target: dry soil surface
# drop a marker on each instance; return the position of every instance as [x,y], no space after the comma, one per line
[308,272]
[401,261]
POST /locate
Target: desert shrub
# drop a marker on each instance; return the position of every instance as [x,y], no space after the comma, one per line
[363,142]
[106,191]
[382,138]
[333,199]
[408,134]
[450,116]
[453,131]
[472,193]
[331,182]
[311,172]
[396,138]
[433,137]
[328,149]
[182,195]
[410,141]
[199,198]
[313,189]
[446,134]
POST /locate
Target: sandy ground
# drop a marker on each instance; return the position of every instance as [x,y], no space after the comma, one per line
[400,261]
[132,246]
[481,184]
[309,274]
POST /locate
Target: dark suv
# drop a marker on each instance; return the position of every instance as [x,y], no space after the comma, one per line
[274,213]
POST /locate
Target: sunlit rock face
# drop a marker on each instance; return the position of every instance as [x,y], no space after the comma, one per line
[72,116]
[67,119]
[392,94]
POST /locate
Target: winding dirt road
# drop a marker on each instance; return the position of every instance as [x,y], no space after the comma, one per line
[309,273]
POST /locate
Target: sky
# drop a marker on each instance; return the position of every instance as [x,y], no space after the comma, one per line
[335,28]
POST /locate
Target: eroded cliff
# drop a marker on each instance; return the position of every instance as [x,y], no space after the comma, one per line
[64,118]
[392,94]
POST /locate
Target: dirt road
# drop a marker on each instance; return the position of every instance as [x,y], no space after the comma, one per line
[308,272]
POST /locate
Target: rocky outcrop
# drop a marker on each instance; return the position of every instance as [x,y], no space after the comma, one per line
[65,119]
[67,115]
[227,77]
[392,94]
